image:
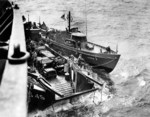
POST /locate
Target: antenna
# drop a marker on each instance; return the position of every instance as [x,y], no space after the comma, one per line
[117,48]
[86,17]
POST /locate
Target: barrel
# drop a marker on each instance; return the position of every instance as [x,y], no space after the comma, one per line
[67,77]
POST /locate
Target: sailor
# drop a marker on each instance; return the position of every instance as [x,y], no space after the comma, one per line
[79,44]
[100,50]
[23,18]
[34,25]
[80,60]
[72,57]
[108,49]
[47,33]
[66,67]
[34,55]
[70,61]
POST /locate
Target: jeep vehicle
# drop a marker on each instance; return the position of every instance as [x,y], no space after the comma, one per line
[45,67]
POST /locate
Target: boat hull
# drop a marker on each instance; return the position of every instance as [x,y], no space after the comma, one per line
[100,61]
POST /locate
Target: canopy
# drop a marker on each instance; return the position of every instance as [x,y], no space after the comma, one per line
[47,53]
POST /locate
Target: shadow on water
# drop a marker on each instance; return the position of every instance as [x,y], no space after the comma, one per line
[38,100]
[37,104]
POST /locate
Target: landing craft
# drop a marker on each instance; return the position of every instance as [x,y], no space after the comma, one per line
[49,83]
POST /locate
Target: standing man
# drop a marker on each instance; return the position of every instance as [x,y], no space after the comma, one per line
[79,44]
[34,55]
[80,60]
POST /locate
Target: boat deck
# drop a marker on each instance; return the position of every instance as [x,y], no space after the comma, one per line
[59,84]
[62,86]
[96,49]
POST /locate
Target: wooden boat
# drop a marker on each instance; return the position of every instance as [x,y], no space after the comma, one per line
[13,65]
[58,86]
[72,41]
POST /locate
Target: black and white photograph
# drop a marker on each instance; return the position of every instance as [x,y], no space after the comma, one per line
[74,58]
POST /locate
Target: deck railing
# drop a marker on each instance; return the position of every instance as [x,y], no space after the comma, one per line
[14,79]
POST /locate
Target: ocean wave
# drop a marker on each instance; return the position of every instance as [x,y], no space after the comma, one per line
[123,21]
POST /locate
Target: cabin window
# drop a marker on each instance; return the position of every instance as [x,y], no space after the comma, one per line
[77,38]
[70,43]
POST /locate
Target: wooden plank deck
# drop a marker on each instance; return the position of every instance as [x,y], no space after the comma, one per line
[62,86]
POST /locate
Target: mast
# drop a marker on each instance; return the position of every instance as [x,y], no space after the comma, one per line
[28,17]
[39,20]
[69,21]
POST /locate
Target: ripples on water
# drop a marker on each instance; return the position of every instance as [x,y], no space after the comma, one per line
[125,22]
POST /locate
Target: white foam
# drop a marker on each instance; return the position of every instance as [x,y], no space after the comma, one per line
[141,81]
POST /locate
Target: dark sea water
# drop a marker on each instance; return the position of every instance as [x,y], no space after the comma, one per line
[122,22]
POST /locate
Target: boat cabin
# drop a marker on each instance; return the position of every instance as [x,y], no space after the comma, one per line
[78,37]
[79,40]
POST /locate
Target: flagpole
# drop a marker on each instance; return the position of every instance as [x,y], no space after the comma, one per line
[39,20]
[69,21]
